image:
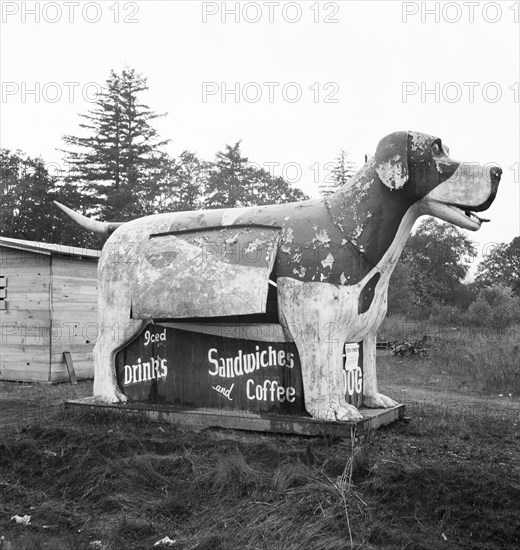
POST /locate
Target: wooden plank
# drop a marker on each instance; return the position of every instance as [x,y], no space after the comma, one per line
[24,376]
[31,345]
[18,365]
[63,377]
[74,337]
[21,285]
[84,356]
[64,280]
[20,270]
[82,300]
[69,317]
[78,272]
[22,366]
[10,257]
[81,368]
[22,328]
[70,367]
[68,261]
[22,338]
[216,418]
[26,357]
[29,297]
[29,317]
[21,305]
[77,289]
[3,281]
[79,308]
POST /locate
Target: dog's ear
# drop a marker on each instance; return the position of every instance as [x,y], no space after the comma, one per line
[391,160]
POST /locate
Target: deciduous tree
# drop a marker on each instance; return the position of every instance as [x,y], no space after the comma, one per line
[27,192]
[501,266]
[433,266]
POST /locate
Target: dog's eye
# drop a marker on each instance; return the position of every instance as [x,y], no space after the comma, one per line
[437,149]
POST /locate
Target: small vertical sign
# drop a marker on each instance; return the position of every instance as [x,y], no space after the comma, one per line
[353,374]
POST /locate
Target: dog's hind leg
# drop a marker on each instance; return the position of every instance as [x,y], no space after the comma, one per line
[115,331]
[116,328]
[371,397]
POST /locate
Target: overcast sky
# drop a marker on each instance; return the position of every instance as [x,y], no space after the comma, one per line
[295,81]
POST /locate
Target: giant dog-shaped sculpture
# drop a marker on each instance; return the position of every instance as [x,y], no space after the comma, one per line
[331,260]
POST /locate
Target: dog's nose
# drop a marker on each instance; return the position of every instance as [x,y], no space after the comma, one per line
[495,174]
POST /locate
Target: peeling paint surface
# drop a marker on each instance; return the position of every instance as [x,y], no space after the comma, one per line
[419,142]
[393,171]
[300,271]
[176,277]
[322,237]
[328,261]
[287,240]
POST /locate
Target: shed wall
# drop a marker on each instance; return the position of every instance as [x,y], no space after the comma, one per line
[25,321]
[74,315]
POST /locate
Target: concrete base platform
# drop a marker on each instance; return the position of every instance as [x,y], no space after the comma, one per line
[242,420]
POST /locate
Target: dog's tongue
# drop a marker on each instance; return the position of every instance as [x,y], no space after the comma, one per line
[481,220]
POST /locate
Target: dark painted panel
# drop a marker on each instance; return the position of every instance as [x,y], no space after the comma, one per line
[176,367]
[171,366]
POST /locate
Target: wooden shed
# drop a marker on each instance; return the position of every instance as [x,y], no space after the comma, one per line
[48,306]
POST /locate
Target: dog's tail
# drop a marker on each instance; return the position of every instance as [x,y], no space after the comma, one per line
[92,225]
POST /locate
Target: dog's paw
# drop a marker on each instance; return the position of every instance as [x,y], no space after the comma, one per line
[345,413]
[378,401]
[110,396]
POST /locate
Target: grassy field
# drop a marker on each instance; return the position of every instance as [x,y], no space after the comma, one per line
[463,358]
[447,477]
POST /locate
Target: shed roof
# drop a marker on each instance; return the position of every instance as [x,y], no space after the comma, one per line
[49,249]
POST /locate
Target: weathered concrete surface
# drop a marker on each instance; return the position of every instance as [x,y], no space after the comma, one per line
[205,274]
[333,261]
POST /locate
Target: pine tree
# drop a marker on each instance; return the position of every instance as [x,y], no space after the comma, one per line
[234,182]
[119,164]
[341,172]
[229,182]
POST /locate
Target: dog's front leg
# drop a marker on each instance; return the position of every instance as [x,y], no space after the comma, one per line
[322,374]
[311,314]
[371,397]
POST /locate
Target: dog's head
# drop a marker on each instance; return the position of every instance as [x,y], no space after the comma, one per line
[419,166]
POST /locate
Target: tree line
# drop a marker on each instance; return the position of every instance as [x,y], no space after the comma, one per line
[430,279]
[117,170]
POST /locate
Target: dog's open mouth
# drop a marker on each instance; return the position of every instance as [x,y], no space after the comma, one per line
[471,215]
[461,216]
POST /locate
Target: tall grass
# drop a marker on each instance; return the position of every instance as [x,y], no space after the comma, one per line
[427,484]
[486,361]
[128,484]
